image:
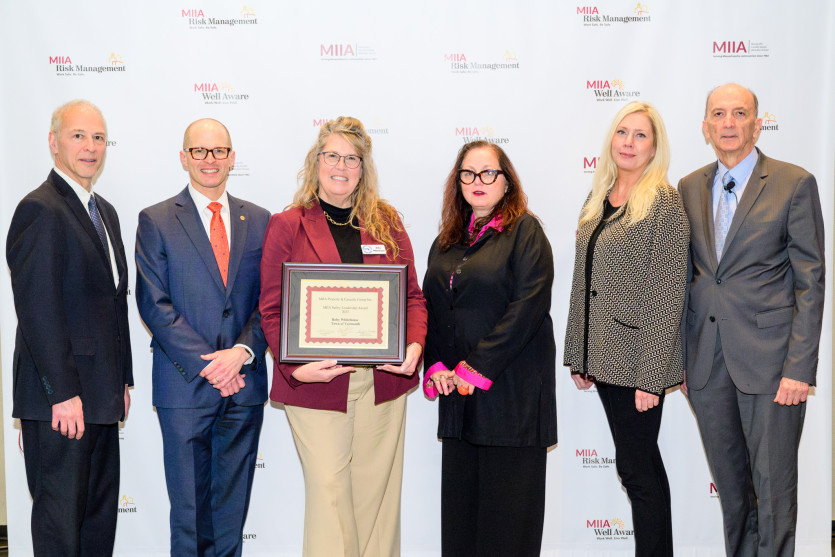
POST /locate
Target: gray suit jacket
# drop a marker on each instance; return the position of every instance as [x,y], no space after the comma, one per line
[766,295]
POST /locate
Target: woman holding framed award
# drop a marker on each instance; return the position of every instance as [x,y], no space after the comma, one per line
[348,422]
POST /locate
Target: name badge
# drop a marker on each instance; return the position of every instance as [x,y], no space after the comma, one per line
[373,249]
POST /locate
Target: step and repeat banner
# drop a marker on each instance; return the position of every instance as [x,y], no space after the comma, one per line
[543,79]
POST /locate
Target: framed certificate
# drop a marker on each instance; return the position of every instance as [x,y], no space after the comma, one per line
[354,314]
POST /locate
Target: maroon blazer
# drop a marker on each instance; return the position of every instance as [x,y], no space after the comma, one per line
[302,235]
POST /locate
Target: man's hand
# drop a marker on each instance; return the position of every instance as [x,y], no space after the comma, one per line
[684,384]
[320,372]
[224,366]
[68,418]
[127,403]
[234,386]
[409,365]
[791,392]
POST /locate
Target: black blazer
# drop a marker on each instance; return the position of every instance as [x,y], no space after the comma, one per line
[496,317]
[72,335]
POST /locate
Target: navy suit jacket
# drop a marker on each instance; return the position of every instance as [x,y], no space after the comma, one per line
[184,304]
[72,332]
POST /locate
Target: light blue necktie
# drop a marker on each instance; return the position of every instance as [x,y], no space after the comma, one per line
[724,214]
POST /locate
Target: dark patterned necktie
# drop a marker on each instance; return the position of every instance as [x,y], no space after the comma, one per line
[99,226]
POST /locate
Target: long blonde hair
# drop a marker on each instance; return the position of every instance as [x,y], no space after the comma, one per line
[654,176]
[377,216]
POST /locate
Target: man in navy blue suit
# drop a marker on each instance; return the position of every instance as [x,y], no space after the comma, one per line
[198,259]
[72,358]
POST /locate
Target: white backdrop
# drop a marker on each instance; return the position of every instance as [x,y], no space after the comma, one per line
[542,78]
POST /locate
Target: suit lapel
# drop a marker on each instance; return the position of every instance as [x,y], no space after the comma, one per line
[316,228]
[755,185]
[239,227]
[81,214]
[121,264]
[706,201]
[190,221]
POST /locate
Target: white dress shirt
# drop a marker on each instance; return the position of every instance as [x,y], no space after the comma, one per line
[84,196]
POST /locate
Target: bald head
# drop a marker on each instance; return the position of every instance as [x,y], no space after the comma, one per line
[205,124]
[733,88]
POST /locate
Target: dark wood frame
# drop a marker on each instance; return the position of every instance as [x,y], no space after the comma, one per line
[291,277]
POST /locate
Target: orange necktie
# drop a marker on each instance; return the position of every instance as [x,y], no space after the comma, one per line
[217,235]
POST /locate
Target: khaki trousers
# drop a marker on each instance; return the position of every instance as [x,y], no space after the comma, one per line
[353,470]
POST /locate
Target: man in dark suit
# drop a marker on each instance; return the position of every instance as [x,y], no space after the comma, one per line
[198,259]
[753,322]
[72,359]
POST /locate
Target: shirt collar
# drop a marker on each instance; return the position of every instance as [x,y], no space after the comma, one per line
[202,201]
[79,190]
[742,171]
[495,223]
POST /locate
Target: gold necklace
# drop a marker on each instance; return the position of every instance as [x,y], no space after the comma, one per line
[330,220]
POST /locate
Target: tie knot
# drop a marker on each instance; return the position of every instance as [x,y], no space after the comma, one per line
[215,207]
[727,178]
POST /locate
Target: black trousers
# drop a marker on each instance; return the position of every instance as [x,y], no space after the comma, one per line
[74,485]
[640,468]
[492,500]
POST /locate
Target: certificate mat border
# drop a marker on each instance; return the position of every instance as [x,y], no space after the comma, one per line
[291,277]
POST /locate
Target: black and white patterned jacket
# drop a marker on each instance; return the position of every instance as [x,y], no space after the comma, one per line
[638,285]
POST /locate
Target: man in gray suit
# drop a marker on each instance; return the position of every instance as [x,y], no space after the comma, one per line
[753,321]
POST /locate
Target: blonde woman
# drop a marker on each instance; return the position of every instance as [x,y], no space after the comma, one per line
[627,298]
[348,422]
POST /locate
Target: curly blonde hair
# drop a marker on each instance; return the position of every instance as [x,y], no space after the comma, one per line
[376,215]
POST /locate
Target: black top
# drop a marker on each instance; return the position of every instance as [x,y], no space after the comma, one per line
[346,237]
[608,211]
[496,317]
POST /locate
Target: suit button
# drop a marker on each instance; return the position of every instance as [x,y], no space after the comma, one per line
[455,290]
[712,319]
[465,258]
[451,307]
[593,293]
[718,281]
[458,271]
[226,313]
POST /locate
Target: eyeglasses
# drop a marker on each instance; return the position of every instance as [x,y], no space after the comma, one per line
[487,177]
[200,153]
[332,159]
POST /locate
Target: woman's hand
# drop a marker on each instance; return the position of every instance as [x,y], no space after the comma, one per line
[442,379]
[582,381]
[464,388]
[409,365]
[644,400]
[320,372]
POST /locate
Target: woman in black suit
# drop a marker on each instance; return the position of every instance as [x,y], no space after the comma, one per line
[490,353]
[627,298]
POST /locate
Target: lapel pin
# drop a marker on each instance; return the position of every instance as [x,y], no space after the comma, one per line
[243,217]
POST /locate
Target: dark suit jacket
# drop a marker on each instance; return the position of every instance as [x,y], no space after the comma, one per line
[302,235]
[496,317]
[184,304]
[766,295]
[72,333]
